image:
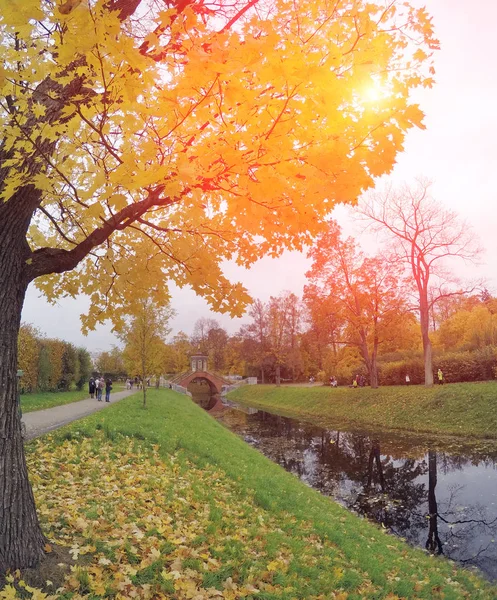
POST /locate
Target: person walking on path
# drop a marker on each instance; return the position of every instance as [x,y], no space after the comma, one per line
[108,387]
[440,376]
[91,387]
[408,379]
[100,387]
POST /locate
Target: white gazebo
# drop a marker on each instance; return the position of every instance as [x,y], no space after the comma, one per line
[198,362]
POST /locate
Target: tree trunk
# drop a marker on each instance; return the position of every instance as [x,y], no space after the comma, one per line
[21,539]
[262,374]
[374,366]
[427,351]
[144,388]
[374,374]
[278,376]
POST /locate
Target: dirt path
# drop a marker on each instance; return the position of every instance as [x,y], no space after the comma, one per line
[40,422]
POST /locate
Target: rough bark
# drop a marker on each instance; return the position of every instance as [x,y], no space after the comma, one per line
[21,539]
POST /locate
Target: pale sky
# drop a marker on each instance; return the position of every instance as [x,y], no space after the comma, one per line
[457,151]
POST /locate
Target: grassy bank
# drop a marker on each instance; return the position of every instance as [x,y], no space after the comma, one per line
[468,409]
[165,502]
[41,400]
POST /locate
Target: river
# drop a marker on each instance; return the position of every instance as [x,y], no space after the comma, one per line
[440,495]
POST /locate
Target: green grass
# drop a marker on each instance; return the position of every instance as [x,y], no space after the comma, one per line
[462,409]
[41,400]
[325,551]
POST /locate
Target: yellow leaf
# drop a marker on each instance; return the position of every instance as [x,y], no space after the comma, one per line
[118,201]
[95,210]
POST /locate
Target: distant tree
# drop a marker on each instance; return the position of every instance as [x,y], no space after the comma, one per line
[257,330]
[277,326]
[283,315]
[29,356]
[110,363]
[144,339]
[295,314]
[250,354]
[200,335]
[425,236]
[54,353]
[445,307]
[236,356]
[217,341]
[489,301]
[363,294]
[70,367]
[44,368]
[468,330]
[177,353]
[85,367]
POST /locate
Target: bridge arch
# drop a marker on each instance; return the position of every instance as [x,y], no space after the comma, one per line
[215,382]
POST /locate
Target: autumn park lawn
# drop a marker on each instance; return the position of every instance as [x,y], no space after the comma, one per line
[467,409]
[41,400]
[166,501]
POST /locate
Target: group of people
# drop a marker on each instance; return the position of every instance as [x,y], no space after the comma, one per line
[130,382]
[97,386]
[359,381]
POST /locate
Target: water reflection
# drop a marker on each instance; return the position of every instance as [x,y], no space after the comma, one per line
[444,500]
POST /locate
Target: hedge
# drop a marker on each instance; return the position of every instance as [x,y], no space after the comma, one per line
[480,365]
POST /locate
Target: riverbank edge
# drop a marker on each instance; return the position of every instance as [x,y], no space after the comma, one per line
[176,424]
[327,406]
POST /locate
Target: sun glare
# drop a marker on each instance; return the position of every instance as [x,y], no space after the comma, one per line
[375,92]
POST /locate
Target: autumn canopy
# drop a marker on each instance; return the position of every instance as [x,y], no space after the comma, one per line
[193,132]
[148,141]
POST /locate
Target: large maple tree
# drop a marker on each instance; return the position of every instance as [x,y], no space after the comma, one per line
[145,141]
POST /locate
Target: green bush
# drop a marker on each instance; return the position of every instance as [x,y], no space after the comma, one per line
[468,366]
[480,365]
[394,373]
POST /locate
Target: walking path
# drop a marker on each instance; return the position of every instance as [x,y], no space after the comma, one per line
[40,422]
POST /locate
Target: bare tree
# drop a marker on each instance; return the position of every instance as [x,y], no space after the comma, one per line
[258,330]
[200,335]
[425,237]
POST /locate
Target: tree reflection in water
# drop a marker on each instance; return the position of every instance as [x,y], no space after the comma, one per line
[444,501]
[433,543]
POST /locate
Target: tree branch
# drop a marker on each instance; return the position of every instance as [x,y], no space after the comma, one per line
[56,260]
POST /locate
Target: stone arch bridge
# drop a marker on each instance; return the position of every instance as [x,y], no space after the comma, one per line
[215,382]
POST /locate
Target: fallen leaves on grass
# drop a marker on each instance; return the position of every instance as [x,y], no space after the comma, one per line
[141,525]
[147,527]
